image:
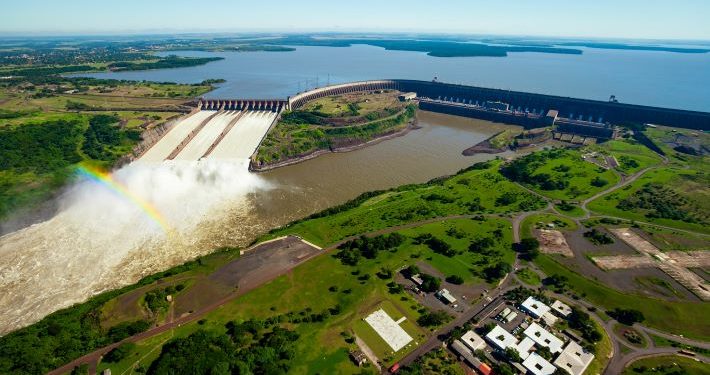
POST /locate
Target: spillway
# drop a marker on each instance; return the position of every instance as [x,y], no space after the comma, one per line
[161,150]
[244,138]
[199,145]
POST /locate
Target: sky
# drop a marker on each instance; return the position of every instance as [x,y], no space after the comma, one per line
[627,19]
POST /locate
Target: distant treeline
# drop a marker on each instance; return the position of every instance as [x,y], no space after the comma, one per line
[164,63]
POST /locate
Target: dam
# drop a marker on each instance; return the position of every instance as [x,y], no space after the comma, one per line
[230,129]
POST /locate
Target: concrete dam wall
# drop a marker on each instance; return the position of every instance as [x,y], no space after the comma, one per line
[573,108]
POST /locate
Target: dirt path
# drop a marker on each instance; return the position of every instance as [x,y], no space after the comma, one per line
[368,352]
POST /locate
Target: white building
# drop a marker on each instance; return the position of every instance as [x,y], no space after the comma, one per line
[534,307]
[574,359]
[500,338]
[544,338]
[561,308]
[446,296]
[473,341]
[524,347]
[509,318]
[538,366]
[549,319]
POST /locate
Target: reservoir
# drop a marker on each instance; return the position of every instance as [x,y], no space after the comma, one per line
[663,79]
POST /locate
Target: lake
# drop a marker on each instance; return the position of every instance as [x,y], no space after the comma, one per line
[663,79]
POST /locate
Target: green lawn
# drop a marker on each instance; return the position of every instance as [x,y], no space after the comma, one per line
[663,365]
[631,155]
[685,190]
[542,220]
[375,342]
[471,192]
[571,211]
[561,174]
[685,318]
[528,276]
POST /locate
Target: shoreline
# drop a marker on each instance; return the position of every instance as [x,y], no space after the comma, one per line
[485,147]
[411,125]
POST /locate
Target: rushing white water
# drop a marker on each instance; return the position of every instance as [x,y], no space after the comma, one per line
[102,240]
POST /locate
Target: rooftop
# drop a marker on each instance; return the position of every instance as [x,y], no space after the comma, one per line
[561,308]
[535,307]
[538,365]
[544,338]
[574,359]
[501,338]
[472,340]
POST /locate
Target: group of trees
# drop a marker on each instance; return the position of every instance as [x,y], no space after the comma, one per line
[103,135]
[350,252]
[433,318]
[582,322]
[627,316]
[598,237]
[659,202]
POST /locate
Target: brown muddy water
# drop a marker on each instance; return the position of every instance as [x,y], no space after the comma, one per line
[99,243]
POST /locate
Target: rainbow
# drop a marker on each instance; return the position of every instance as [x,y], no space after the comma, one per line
[105,179]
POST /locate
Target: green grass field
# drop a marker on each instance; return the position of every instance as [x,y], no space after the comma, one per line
[571,210]
[684,318]
[471,192]
[631,155]
[561,174]
[667,365]
[541,221]
[528,276]
[687,191]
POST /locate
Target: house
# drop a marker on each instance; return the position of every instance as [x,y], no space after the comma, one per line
[534,307]
[561,309]
[358,357]
[445,296]
[473,341]
[417,279]
[537,365]
[542,337]
[500,338]
[574,359]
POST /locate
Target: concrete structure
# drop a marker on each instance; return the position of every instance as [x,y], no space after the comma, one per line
[537,365]
[407,96]
[542,337]
[561,308]
[524,347]
[509,318]
[396,337]
[539,104]
[500,338]
[473,341]
[446,296]
[534,307]
[273,105]
[574,359]
[549,319]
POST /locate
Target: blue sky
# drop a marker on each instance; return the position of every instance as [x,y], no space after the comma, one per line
[646,19]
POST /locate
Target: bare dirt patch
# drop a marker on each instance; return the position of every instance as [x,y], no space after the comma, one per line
[553,242]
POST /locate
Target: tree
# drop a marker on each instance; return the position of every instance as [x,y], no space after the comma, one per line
[512,354]
[433,319]
[529,248]
[430,283]
[627,316]
[496,272]
[117,354]
[454,279]
[410,271]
